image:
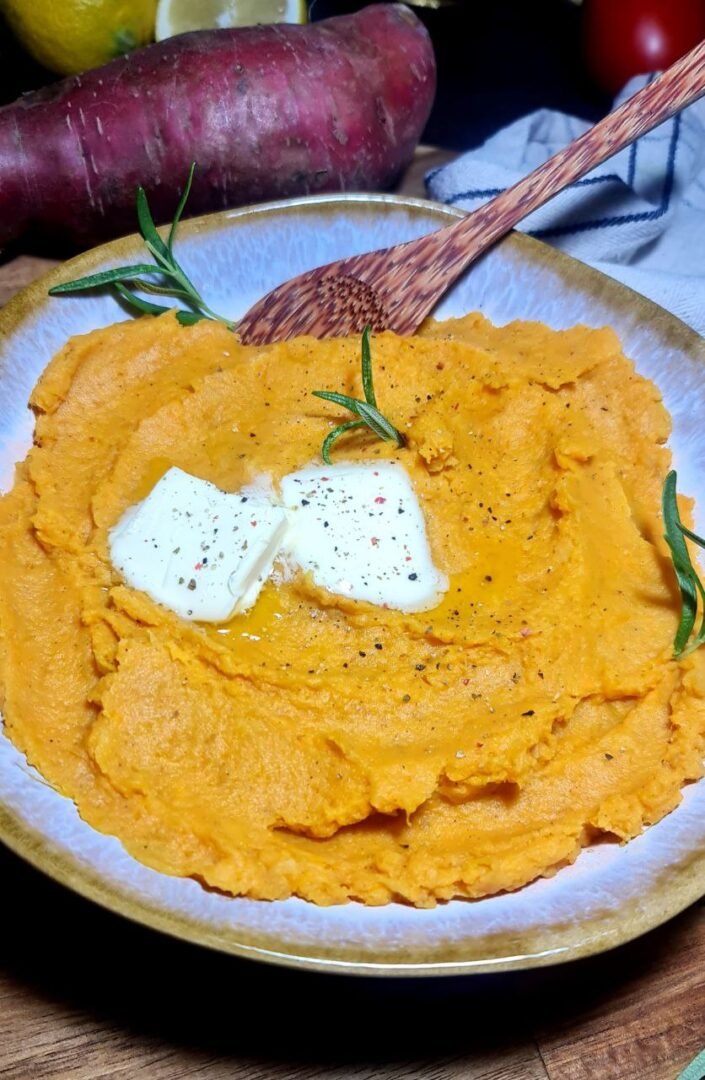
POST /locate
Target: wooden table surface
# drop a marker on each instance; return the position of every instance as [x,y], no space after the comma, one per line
[85,994]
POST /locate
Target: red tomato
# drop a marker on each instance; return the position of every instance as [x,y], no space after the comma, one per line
[622,38]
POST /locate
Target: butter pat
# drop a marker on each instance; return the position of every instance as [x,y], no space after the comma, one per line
[198,550]
[360,532]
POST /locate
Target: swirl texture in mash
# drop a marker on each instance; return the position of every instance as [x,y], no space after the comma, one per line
[323,747]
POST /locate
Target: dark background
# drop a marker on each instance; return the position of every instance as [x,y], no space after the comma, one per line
[497,60]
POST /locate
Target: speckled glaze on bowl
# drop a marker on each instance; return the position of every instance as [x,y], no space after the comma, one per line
[612,893]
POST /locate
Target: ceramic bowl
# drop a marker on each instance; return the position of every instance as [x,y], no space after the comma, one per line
[612,893]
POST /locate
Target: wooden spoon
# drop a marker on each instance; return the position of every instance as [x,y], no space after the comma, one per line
[396,288]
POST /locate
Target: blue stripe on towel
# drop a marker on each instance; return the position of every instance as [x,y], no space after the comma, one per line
[488,193]
[625,219]
[477,193]
[600,223]
[631,171]
[587,180]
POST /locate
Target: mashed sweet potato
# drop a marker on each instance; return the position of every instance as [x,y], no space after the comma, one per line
[323,747]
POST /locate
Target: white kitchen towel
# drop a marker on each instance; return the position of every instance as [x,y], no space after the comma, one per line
[640,217]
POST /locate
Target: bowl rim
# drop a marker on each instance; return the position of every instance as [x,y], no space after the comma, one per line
[686,880]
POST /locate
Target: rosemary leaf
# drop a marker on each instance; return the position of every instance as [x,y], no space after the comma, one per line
[692,536]
[137,302]
[149,231]
[335,434]
[337,399]
[174,281]
[105,277]
[367,411]
[367,384]
[180,209]
[686,575]
[164,290]
[378,423]
[189,318]
[699,638]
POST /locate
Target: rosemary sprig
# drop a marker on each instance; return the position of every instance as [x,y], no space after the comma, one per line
[173,280]
[366,410]
[689,582]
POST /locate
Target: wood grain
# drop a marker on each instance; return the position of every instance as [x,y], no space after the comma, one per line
[655,1015]
[85,995]
[18,273]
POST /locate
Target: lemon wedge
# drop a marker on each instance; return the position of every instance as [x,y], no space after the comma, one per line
[75,35]
[179,16]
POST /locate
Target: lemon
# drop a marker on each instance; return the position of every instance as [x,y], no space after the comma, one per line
[178,16]
[68,36]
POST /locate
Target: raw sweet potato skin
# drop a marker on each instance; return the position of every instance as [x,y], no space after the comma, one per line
[266,112]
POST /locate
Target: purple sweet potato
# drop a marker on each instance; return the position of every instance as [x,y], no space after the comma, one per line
[265,112]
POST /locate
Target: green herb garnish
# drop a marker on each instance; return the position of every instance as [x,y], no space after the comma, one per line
[689,583]
[172,279]
[367,410]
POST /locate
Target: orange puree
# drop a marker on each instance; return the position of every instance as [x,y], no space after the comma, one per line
[323,747]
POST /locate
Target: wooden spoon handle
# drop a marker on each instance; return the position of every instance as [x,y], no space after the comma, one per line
[678,86]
